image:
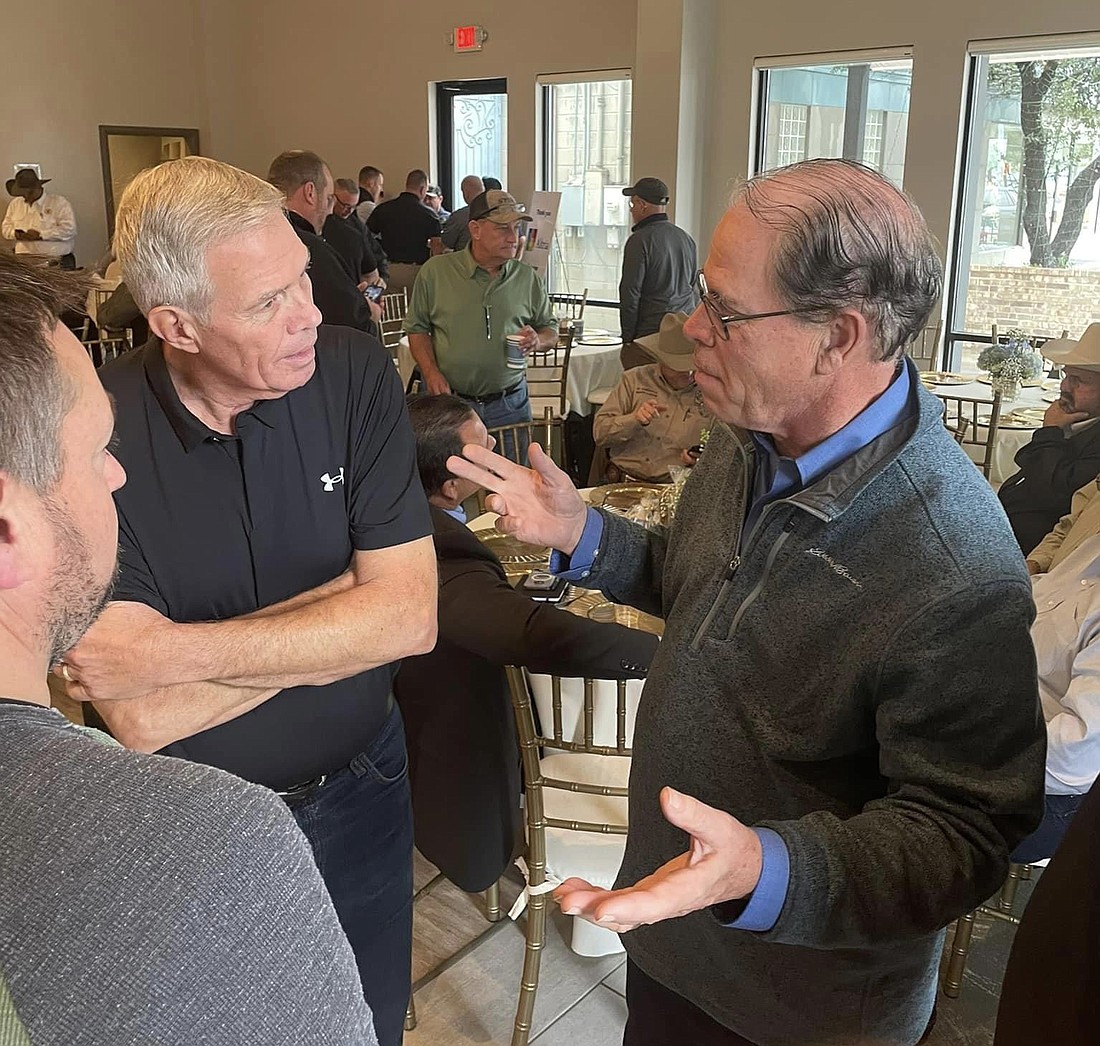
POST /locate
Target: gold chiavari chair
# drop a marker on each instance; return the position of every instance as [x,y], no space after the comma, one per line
[107,348]
[547,373]
[571,305]
[966,418]
[958,950]
[591,777]
[394,306]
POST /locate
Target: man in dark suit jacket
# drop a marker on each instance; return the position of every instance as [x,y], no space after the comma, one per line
[1051,989]
[1065,453]
[307,183]
[463,753]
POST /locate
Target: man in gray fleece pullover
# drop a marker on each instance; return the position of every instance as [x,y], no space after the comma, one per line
[143,900]
[839,741]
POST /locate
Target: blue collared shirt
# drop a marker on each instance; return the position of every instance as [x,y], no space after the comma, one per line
[776,477]
[458,512]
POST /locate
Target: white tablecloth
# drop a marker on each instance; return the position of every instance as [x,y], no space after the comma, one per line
[1009,440]
[590,367]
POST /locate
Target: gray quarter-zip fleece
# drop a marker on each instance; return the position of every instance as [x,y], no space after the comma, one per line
[856,674]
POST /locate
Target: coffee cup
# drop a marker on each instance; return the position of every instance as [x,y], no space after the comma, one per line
[515,357]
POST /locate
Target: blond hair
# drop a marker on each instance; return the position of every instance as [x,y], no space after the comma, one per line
[172,214]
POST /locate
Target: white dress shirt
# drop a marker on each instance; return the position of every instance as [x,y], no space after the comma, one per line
[51,215]
[1066,634]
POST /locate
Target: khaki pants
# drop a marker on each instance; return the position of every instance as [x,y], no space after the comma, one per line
[402,276]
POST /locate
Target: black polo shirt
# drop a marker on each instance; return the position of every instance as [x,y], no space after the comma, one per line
[215,526]
[348,237]
[405,226]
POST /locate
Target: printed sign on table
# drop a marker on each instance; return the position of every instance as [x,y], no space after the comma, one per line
[535,249]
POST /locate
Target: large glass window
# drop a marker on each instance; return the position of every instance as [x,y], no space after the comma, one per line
[1027,244]
[586,157]
[855,108]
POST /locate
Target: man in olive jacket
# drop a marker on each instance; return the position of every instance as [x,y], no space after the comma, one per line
[840,740]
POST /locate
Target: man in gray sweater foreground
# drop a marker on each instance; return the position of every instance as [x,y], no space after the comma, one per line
[840,740]
[142,899]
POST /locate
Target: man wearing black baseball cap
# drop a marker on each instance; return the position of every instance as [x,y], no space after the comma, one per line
[659,266]
[41,223]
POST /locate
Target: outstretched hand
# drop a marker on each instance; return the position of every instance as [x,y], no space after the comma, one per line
[723,864]
[538,505]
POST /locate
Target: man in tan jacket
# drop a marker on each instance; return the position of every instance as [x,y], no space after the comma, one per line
[1082,521]
[654,418]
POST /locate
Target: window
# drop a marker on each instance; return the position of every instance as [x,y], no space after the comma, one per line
[792,134]
[472,134]
[586,157]
[848,106]
[1027,227]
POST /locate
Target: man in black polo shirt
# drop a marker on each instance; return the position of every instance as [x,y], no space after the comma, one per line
[276,557]
[409,229]
[305,180]
[348,235]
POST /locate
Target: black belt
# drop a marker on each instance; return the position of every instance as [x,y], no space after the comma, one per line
[492,397]
[303,792]
[394,261]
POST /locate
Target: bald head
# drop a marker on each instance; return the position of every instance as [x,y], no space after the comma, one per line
[849,238]
[472,187]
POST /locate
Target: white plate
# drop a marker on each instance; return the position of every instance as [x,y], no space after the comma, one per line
[600,339]
[1031,383]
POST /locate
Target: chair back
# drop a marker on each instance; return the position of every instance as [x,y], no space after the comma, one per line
[925,350]
[108,348]
[967,420]
[547,373]
[579,785]
[547,431]
[571,305]
[394,306]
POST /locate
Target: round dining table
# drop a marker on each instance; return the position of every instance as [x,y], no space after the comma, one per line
[1012,433]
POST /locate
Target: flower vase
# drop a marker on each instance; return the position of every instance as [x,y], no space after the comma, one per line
[1009,388]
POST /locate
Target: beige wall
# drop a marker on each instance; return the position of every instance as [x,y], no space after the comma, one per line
[358,93]
[71,66]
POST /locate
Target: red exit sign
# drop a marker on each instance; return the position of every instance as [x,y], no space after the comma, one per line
[468,38]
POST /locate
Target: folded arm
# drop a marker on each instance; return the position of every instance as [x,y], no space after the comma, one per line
[176,679]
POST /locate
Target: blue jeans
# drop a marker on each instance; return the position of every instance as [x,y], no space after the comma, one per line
[1041,844]
[359,824]
[508,410]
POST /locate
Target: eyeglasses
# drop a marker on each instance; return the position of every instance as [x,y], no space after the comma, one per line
[720,321]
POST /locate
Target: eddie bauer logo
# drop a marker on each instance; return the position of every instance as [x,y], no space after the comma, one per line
[331,481]
[837,568]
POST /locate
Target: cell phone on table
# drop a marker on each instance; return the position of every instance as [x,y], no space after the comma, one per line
[544,586]
[373,293]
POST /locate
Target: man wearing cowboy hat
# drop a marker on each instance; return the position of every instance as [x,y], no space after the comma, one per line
[654,417]
[659,266]
[1065,453]
[41,223]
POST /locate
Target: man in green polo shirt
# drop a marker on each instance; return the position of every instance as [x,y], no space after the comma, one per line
[464,305]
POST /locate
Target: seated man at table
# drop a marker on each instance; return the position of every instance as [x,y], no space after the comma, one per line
[1066,634]
[1077,526]
[654,418]
[1065,452]
[463,756]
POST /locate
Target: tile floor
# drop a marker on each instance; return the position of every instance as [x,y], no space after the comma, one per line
[470,998]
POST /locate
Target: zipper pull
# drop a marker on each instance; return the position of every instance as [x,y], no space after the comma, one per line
[732,568]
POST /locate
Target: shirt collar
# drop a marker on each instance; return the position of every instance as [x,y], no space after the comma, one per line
[301,223]
[190,431]
[660,217]
[458,512]
[878,417]
[469,266]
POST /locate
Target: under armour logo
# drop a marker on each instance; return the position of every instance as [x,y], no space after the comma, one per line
[331,481]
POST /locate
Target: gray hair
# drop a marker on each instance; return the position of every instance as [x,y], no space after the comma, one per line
[35,393]
[348,185]
[849,239]
[171,215]
[291,170]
